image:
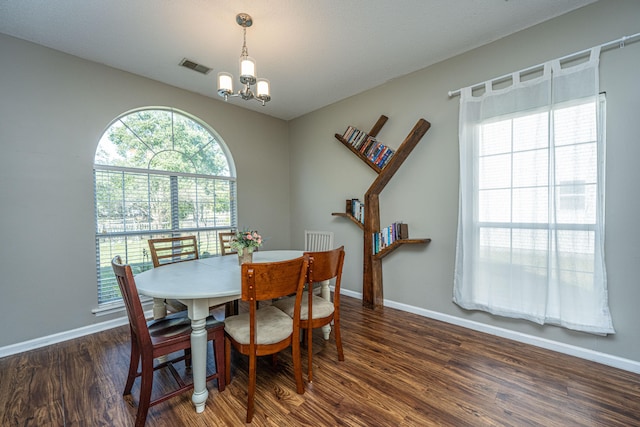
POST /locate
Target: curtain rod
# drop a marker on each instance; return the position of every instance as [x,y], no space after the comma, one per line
[613,43]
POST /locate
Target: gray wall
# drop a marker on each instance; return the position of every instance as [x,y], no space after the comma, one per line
[53,110]
[424,192]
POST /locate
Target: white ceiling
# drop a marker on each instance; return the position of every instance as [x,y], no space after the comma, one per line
[314,52]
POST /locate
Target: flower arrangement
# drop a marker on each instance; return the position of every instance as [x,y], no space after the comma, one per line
[249,239]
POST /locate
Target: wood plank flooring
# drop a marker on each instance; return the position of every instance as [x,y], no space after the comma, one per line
[400,369]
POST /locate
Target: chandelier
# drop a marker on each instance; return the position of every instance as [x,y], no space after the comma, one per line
[247,72]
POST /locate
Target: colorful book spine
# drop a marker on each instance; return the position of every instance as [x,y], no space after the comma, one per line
[348,134]
[375,151]
[385,158]
[356,209]
[387,236]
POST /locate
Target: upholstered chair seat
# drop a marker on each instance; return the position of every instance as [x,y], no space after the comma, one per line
[173,325]
[321,307]
[272,326]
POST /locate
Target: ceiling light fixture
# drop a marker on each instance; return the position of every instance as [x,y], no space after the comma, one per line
[247,72]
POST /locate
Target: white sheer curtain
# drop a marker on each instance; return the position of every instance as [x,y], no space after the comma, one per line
[531,217]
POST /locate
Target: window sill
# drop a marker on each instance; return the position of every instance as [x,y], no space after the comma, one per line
[117,307]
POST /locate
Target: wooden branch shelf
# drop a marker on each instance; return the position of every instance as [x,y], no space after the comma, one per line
[373,166]
[351,217]
[395,245]
[372,295]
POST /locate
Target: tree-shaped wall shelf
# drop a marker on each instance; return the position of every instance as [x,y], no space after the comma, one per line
[372,292]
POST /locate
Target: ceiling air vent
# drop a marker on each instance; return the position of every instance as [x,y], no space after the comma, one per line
[187,63]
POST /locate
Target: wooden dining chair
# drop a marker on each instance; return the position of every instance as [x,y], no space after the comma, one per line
[169,250]
[157,338]
[225,243]
[315,241]
[268,330]
[316,311]
[319,241]
[226,238]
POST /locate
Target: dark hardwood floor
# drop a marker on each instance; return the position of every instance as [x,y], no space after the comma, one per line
[400,369]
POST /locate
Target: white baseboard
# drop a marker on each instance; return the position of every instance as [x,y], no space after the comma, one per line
[583,353]
[64,336]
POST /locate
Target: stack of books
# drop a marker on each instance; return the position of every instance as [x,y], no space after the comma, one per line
[375,151]
[388,235]
[356,209]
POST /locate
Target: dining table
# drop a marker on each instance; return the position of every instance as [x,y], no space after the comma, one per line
[200,284]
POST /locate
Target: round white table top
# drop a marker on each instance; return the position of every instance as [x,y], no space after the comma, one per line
[202,278]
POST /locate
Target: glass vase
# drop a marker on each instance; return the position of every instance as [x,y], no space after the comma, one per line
[245,256]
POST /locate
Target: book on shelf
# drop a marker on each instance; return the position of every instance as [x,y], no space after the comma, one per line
[356,209]
[358,139]
[385,158]
[353,135]
[402,230]
[375,151]
[388,235]
[367,144]
[348,134]
[380,155]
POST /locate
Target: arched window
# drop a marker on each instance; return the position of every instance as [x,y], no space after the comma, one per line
[158,173]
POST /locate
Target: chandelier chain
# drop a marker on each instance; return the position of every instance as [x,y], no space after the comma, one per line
[245,51]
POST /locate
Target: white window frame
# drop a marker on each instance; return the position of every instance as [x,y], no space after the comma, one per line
[207,234]
[546,226]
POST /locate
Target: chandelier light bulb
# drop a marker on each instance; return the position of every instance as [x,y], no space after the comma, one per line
[225,83]
[262,88]
[247,70]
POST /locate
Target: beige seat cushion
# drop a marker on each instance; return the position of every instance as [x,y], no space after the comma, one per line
[272,326]
[321,307]
[175,324]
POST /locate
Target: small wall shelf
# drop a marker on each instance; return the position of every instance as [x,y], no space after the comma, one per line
[372,292]
[395,245]
[351,217]
[359,154]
